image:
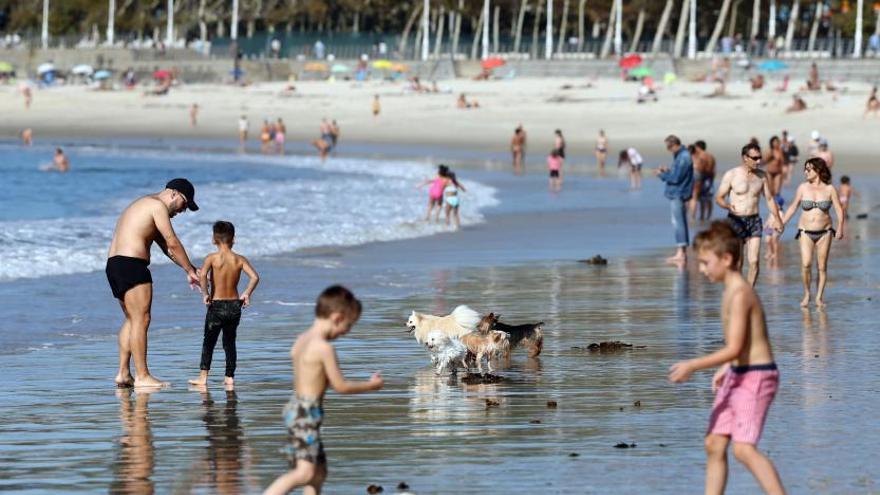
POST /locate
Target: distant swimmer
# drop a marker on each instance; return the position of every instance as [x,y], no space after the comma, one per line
[243,125]
[601,151]
[27,137]
[146,220]
[60,163]
[517,149]
[280,132]
[194,115]
[325,143]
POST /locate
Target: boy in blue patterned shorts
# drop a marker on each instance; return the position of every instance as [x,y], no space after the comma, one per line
[314,368]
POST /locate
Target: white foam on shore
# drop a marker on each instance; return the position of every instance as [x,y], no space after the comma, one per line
[353,201]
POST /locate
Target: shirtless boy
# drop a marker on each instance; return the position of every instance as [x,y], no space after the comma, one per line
[219,278]
[747,380]
[739,193]
[146,220]
[704,178]
[60,161]
[315,366]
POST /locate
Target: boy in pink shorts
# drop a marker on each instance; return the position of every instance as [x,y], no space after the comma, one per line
[747,380]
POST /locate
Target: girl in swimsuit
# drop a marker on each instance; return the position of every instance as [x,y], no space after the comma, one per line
[450,197]
[601,151]
[815,197]
[435,192]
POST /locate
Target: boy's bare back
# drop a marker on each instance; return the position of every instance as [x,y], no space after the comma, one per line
[309,353]
[225,273]
[743,319]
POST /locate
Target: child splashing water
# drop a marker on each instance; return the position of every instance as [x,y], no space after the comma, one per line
[435,192]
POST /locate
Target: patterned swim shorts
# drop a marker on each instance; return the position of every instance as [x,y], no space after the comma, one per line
[742,401]
[303,419]
[747,226]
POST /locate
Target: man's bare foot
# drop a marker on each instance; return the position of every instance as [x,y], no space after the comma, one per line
[805,302]
[229,383]
[149,381]
[124,381]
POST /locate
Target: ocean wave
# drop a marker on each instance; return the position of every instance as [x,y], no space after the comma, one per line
[347,202]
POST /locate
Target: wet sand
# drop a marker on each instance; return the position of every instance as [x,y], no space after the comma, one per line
[65,429]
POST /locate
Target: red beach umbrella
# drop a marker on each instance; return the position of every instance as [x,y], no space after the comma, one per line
[630,61]
[492,63]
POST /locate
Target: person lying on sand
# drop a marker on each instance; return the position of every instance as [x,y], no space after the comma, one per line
[797,104]
[463,103]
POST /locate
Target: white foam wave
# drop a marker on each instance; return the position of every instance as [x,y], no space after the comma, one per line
[354,201]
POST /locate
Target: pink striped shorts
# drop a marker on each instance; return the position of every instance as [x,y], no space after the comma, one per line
[742,402]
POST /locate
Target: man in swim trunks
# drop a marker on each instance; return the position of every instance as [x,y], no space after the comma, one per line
[740,192]
[146,220]
[517,148]
[704,178]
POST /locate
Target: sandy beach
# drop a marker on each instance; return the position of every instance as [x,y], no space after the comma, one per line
[356,220]
[580,107]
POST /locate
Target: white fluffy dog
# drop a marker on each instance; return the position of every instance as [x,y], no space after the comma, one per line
[444,350]
[461,321]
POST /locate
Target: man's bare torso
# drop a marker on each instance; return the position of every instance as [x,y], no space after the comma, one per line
[136,228]
[745,190]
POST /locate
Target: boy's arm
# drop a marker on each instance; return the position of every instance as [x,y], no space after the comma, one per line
[207,292]
[737,326]
[339,383]
[253,280]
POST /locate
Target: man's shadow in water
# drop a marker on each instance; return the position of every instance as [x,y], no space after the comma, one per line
[134,463]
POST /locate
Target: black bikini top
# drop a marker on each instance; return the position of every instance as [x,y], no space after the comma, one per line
[808,204]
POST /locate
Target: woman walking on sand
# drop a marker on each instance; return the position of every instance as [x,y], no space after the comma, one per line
[815,197]
[601,151]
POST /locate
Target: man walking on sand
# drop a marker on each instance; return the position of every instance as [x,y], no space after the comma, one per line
[679,179]
[146,220]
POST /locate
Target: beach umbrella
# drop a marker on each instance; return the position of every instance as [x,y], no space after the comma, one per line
[6,68]
[82,70]
[161,74]
[340,68]
[492,63]
[772,65]
[630,61]
[103,74]
[44,68]
[641,72]
[316,67]
[382,64]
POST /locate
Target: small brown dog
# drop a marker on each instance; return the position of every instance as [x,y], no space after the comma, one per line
[529,336]
[487,344]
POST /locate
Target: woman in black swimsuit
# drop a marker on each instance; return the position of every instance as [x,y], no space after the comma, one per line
[815,197]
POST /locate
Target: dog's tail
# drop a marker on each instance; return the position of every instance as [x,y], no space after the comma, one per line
[466,318]
[536,348]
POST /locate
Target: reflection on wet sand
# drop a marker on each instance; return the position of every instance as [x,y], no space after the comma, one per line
[815,357]
[225,453]
[134,464]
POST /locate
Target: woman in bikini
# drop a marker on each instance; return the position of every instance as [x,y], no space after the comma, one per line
[435,192]
[601,151]
[815,197]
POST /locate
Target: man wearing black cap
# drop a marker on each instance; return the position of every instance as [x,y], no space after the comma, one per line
[146,220]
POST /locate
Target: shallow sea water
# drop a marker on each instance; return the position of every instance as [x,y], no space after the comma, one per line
[64,429]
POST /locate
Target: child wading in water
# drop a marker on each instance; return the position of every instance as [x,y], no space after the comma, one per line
[315,366]
[452,200]
[223,270]
[747,380]
[435,192]
[554,164]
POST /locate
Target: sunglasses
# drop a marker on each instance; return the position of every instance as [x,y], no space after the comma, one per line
[754,158]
